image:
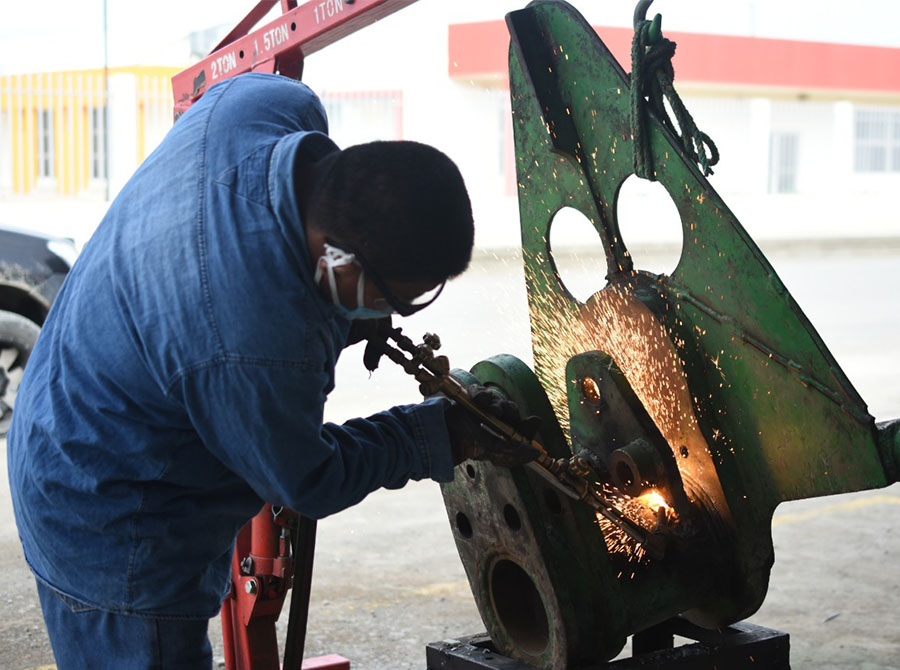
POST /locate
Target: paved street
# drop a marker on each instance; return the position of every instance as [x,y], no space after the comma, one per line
[388,579]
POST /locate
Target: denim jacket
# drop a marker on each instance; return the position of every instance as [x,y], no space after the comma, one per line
[179,380]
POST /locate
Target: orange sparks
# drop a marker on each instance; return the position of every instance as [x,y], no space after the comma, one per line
[653,500]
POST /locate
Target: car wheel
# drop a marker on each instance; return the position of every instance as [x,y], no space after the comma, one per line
[17,338]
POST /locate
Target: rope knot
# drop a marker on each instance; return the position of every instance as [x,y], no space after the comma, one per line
[652,83]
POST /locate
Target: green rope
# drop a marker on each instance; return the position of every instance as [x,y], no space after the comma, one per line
[652,77]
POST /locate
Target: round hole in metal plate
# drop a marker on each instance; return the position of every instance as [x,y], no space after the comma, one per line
[625,476]
[519,607]
[464,525]
[511,516]
[650,225]
[577,253]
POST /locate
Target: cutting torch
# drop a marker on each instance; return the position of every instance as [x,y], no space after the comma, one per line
[569,476]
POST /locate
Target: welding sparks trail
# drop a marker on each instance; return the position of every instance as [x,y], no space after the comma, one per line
[617,323]
[644,508]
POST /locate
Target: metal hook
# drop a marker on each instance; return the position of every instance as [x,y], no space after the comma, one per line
[640,12]
[640,16]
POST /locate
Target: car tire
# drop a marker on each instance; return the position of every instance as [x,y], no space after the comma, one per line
[17,338]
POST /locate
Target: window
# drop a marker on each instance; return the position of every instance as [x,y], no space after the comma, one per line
[45,144]
[364,117]
[783,163]
[5,152]
[877,140]
[98,143]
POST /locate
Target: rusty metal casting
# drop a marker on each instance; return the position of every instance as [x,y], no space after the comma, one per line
[706,394]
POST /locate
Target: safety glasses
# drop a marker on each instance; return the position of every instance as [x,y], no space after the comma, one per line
[396,303]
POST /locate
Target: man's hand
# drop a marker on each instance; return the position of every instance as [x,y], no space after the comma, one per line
[372,330]
[469,438]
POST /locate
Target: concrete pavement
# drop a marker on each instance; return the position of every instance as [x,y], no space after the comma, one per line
[388,579]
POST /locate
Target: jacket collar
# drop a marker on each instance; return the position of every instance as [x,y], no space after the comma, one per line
[313,145]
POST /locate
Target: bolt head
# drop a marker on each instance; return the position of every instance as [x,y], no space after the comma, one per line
[250,586]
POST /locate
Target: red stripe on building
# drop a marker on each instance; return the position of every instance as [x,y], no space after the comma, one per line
[479,50]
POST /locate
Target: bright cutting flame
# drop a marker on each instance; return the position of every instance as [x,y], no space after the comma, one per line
[653,500]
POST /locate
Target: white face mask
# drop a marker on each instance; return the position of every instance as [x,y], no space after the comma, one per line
[332,258]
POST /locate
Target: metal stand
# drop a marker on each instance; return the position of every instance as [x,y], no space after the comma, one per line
[742,646]
[303,548]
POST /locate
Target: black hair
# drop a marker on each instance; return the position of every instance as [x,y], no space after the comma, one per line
[402,205]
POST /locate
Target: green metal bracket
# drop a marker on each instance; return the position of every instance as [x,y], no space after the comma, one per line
[736,403]
[721,356]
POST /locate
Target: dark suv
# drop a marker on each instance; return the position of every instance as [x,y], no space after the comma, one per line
[32,268]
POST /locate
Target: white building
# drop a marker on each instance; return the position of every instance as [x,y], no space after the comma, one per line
[809,132]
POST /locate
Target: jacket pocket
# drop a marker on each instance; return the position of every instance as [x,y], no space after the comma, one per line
[75,606]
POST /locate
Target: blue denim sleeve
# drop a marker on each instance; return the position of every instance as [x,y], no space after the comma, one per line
[264,422]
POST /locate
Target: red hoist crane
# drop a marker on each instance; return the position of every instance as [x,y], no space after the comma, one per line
[280,45]
[275,550]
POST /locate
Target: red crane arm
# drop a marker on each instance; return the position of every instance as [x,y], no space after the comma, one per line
[279,45]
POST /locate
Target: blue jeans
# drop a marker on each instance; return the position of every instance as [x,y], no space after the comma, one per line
[87,638]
